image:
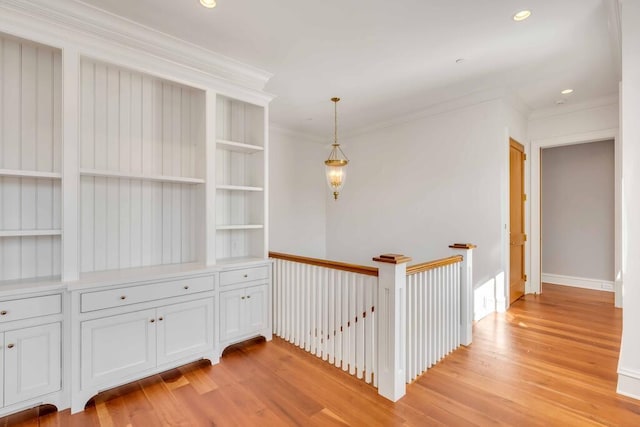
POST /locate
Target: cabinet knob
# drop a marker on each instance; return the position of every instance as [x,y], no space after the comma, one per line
[160,319]
[3,313]
[10,346]
[246,275]
[123,297]
[241,297]
[152,321]
[248,296]
[186,287]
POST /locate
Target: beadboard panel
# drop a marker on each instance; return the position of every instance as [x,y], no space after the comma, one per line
[136,123]
[237,168]
[30,88]
[239,207]
[239,121]
[127,223]
[239,244]
[29,257]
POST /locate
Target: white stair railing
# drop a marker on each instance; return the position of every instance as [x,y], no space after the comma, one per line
[384,325]
[328,309]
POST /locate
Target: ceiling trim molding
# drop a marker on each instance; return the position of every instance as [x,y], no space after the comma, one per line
[436,109]
[560,110]
[305,137]
[96,22]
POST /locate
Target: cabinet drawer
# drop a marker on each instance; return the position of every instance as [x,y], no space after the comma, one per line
[120,297]
[243,275]
[26,308]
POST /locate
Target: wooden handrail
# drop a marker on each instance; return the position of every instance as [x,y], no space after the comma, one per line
[353,268]
[430,265]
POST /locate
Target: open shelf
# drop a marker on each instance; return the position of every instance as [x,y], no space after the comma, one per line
[239,147]
[29,174]
[238,188]
[240,227]
[129,175]
[26,233]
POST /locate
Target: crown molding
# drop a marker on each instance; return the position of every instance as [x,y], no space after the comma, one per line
[466,101]
[78,16]
[274,127]
[560,110]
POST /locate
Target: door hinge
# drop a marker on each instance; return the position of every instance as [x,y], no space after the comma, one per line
[525,237]
[525,277]
[524,197]
[524,156]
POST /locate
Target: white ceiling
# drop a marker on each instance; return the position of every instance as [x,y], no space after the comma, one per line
[390,58]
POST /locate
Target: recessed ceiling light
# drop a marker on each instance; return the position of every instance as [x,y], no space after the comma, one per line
[567,91]
[208,3]
[522,15]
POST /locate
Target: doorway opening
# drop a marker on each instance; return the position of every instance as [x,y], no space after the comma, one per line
[577,215]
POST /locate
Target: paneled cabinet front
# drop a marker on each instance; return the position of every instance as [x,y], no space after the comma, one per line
[32,362]
[119,347]
[243,312]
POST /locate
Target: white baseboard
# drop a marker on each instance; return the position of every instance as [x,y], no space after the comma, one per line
[578,282]
[629,383]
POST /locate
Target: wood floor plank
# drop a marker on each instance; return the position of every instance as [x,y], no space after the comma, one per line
[551,360]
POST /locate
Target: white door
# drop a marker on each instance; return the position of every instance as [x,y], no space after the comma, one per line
[32,362]
[232,314]
[184,330]
[257,304]
[117,347]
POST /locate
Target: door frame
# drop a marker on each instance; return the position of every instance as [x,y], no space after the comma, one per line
[534,284]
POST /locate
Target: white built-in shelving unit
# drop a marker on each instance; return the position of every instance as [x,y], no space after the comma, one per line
[240,180]
[133,203]
[30,160]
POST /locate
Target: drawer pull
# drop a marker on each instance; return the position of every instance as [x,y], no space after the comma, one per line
[186,287]
[3,312]
[152,321]
[10,346]
[160,319]
[123,297]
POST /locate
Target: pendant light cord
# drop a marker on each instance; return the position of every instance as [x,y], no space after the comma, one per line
[335,120]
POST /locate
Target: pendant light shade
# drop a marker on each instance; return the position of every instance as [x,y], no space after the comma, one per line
[336,164]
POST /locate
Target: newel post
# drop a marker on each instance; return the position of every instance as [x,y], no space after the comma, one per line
[466,291]
[392,325]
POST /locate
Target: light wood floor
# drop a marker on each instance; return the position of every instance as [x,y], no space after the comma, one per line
[551,360]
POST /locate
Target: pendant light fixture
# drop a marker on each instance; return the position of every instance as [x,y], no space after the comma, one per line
[208,3]
[336,164]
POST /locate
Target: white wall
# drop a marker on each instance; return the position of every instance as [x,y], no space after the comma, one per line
[297,204]
[570,119]
[414,188]
[577,184]
[629,365]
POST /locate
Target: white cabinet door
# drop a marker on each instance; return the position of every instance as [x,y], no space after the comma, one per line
[1,370]
[32,362]
[232,314]
[256,304]
[117,347]
[184,330]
